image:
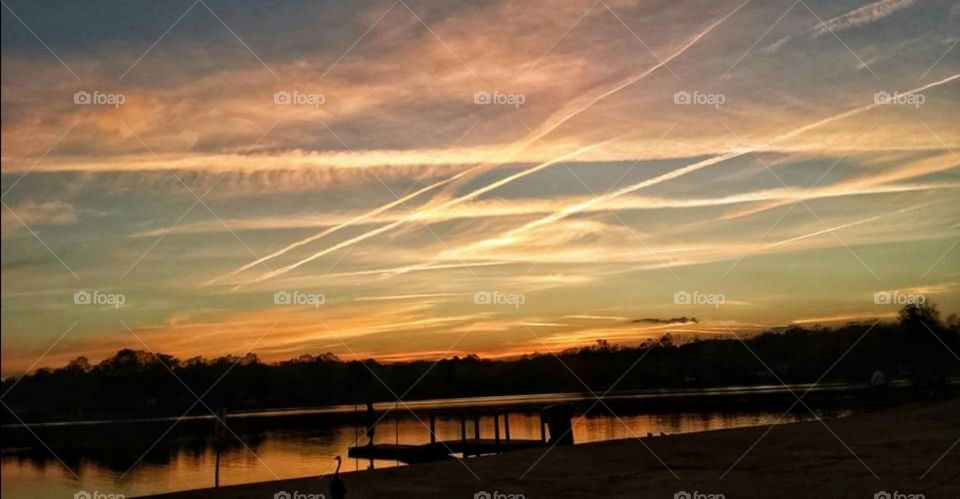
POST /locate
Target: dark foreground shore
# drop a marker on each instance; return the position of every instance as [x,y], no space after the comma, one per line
[909,450]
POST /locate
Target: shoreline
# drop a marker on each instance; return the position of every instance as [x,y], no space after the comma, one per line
[856,456]
[502,402]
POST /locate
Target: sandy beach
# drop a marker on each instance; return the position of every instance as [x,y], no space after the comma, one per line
[911,450]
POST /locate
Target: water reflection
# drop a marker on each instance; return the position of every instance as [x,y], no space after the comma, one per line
[143,458]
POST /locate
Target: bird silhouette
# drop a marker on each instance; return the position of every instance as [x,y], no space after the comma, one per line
[337,489]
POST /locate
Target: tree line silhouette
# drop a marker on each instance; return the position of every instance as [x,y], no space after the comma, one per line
[919,346]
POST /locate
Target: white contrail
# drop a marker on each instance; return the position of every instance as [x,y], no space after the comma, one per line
[331,230]
[551,124]
[562,213]
[576,208]
[883,183]
[864,15]
[936,164]
[847,225]
[823,193]
[558,118]
[420,214]
[542,131]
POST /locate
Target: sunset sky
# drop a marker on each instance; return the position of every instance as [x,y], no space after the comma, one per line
[581,162]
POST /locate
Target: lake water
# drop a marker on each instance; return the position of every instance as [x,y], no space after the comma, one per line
[55,461]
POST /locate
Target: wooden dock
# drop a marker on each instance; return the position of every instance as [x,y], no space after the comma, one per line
[466,446]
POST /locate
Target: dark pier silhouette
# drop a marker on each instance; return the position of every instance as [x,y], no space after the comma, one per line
[554,427]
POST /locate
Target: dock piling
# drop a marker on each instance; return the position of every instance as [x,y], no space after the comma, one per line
[219,442]
[543,429]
